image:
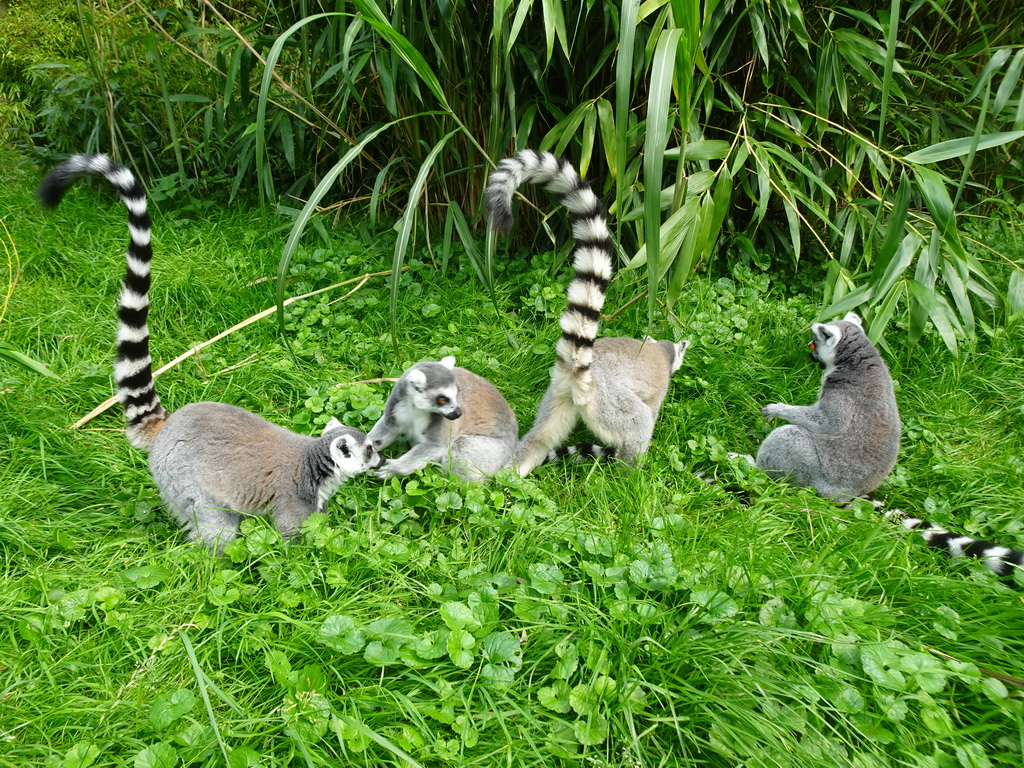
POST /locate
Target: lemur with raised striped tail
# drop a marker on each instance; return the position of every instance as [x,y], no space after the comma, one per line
[212,462]
[845,445]
[615,385]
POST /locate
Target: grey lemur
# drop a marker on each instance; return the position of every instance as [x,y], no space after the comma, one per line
[452,417]
[615,385]
[210,461]
[845,444]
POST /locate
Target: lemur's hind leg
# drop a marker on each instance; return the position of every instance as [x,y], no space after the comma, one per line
[789,453]
[477,458]
[623,421]
[208,521]
[556,416]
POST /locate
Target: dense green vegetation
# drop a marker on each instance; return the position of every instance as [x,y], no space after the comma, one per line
[847,140]
[766,164]
[590,615]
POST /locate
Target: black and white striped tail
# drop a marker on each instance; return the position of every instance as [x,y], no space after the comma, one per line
[133,366]
[1002,561]
[579,452]
[592,256]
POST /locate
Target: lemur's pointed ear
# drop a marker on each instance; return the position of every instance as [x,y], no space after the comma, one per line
[332,424]
[853,317]
[448,362]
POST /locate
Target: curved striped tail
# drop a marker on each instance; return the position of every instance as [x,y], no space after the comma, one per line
[133,366]
[592,257]
[1002,561]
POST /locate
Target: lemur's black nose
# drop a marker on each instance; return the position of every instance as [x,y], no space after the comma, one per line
[454,414]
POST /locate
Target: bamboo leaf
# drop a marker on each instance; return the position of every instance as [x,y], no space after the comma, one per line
[606,124]
[946,150]
[994,64]
[587,139]
[12,355]
[265,179]
[658,106]
[881,317]
[706,149]
[893,231]
[925,274]
[890,62]
[623,93]
[405,226]
[938,311]
[850,301]
[897,265]
[672,232]
[400,44]
[1010,83]
[1015,292]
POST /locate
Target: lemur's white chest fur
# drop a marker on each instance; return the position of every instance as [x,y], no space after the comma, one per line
[413,421]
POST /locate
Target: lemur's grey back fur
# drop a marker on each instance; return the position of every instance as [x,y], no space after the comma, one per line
[452,417]
[211,461]
[133,366]
[616,385]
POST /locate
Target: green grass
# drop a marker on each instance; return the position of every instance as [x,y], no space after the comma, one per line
[589,615]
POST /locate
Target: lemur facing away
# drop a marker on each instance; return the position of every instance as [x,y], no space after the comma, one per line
[616,385]
[452,417]
[212,462]
[845,445]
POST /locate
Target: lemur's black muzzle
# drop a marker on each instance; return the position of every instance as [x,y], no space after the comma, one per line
[453,414]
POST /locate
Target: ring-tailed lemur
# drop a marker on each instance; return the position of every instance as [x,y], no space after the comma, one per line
[452,417]
[845,444]
[616,385]
[210,461]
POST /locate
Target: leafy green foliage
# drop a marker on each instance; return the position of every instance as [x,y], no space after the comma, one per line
[587,615]
[846,143]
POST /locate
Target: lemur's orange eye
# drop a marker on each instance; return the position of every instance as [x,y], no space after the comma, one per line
[811,345]
[442,400]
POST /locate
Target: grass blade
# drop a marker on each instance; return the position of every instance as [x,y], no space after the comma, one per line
[202,680]
[12,355]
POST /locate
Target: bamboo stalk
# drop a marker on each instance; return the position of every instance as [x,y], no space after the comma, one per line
[362,279]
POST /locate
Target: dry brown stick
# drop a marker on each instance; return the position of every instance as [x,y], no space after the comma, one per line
[364,381]
[199,347]
[613,315]
[1008,679]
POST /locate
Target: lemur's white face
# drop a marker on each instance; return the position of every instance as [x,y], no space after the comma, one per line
[351,451]
[827,337]
[432,388]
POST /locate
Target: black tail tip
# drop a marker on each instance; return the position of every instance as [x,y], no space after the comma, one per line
[499,212]
[51,190]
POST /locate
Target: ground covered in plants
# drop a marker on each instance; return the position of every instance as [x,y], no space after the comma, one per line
[589,615]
